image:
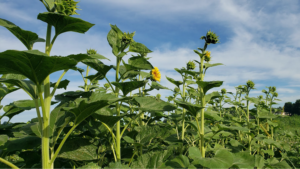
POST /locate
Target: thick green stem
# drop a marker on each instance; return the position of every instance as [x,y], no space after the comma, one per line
[202,105]
[183,112]
[86,80]
[118,131]
[248,119]
[8,163]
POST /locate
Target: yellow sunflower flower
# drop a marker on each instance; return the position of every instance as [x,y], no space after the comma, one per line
[155,74]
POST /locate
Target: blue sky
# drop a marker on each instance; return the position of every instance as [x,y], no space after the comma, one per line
[259,40]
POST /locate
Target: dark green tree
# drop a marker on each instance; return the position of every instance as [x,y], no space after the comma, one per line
[296,107]
[288,108]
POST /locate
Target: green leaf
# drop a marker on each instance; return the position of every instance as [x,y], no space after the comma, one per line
[207,65]
[151,104]
[145,135]
[259,161]
[4,91]
[33,64]
[50,3]
[180,161]
[138,48]
[3,139]
[157,86]
[223,127]
[140,63]
[210,114]
[127,87]
[23,143]
[26,37]
[64,23]
[191,108]
[194,153]
[32,129]
[85,109]
[98,66]
[91,165]
[222,159]
[212,96]
[243,160]
[177,83]
[209,85]
[234,142]
[128,139]
[62,84]
[98,56]
[114,38]
[11,111]
[254,100]
[151,160]
[115,165]
[28,86]
[79,149]
[265,114]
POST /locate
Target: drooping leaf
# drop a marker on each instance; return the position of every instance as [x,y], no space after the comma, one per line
[191,108]
[4,91]
[210,114]
[98,66]
[208,65]
[138,48]
[209,85]
[223,127]
[98,56]
[114,38]
[211,96]
[152,104]
[23,143]
[222,159]
[177,83]
[33,64]
[194,153]
[28,86]
[127,87]
[3,139]
[180,161]
[151,160]
[63,23]
[79,149]
[26,37]
[62,84]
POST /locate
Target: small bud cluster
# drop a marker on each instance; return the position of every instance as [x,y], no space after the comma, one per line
[190,65]
[223,91]
[250,84]
[158,96]
[210,37]
[207,56]
[91,52]
[106,85]
[66,7]
[176,90]
[275,94]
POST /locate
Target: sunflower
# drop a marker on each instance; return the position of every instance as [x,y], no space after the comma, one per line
[155,74]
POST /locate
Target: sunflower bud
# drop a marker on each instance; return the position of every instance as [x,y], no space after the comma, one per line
[190,65]
[223,91]
[250,84]
[176,90]
[158,96]
[91,52]
[264,91]
[273,89]
[66,7]
[275,94]
[207,56]
[260,97]
[210,37]
[106,85]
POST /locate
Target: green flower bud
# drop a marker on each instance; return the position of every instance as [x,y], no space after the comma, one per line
[243,104]
[127,37]
[91,51]
[275,94]
[273,89]
[262,103]
[106,85]
[264,91]
[250,84]
[260,97]
[71,123]
[170,98]
[176,90]
[190,65]
[66,7]
[211,37]
[158,96]
[223,91]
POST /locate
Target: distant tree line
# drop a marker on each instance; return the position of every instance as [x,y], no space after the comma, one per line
[292,108]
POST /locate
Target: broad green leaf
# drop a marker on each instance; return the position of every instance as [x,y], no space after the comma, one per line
[128,139]
[223,127]
[209,85]
[4,91]
[157,86]
[274,124]
[194,153]
[115,165]
[85,109]
[33,64]
[265,114]
[26,37]
[72,95]
[97,65]
[114,38]
[3,139]
[274,163]
[64,23]
[11,111]
[259,161]
[222,159]
[180,161]
[12,76]
[243,160]
[32,129]
[254,100]
[140,63]
[145,135]
[272,142]
[212,96]
[23,143]
[152,104]
[177,83]
[79,149]
[28,86]
[62,84]
[191,108]
[234,142]
[151,160]
[138,48]
[127,87]
[210,114]
[98,56]
[91,165]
